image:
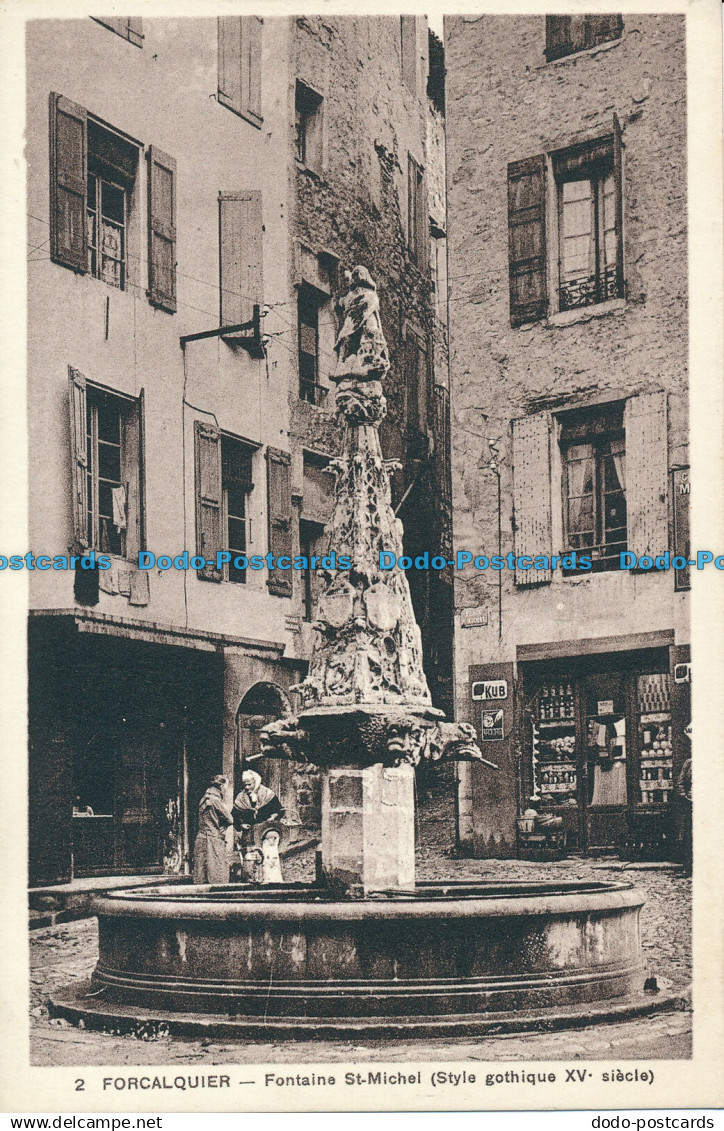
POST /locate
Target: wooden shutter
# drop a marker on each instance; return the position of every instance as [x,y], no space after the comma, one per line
[240,255]
[229,30]
[618,215]
[132,480]
[532,493]
[208,498]
[78,456]
[527,239]
[647,476]
[68,183]
[279,511]
[558,36]
[161,229]
[423,227]
[239,59]
[251,66]
[601,29]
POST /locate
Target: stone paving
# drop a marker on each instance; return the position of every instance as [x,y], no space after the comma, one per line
[61,955]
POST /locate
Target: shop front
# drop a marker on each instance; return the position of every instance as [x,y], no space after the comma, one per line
[124,733]
[603,738]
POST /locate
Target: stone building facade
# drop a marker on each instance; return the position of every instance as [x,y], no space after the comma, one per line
[194,191]
[566,151]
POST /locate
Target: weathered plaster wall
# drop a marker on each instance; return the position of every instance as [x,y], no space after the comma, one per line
[506,103]
[355,207]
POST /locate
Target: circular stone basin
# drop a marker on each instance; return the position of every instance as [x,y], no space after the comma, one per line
[447,950]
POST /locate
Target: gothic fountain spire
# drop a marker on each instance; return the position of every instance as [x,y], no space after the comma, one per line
[365,700]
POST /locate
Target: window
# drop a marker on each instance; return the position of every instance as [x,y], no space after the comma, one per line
[311,544]
[571,254]
[223,484]
[417,234]
[94,221]
[567,34]
[308,127]
[112,165]
[106,458]
[594,458]
[236,483]
[106,489]
[239,82]
[308,304]
[316,512]
[588,226]
[127,27]
[416,385]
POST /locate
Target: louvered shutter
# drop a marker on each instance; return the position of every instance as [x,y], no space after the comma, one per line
[68,183]
[229,46]
[647,463]
[601,29]
[558,36]
[279,510]
[527,239]
[239,59]
[618,214]
[132,481]
[78,456]
[532,493]
[241,262]
[161,229]
[251,27]
[208,498]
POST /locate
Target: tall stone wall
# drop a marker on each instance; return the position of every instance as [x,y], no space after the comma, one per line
[506,103]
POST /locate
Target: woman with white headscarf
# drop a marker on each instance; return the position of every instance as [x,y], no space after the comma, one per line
[256,802]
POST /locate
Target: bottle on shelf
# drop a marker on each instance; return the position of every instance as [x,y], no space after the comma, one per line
[569,701]
[544,703]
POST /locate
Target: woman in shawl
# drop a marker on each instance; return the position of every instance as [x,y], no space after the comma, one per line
[256,802]
[211,856]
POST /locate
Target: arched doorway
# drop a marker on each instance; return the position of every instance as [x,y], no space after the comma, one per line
[262,704]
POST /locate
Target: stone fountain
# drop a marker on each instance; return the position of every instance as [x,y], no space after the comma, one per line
[364,948]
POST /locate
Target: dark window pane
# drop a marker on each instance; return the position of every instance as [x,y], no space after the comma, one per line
[237,534]
[109,462]
[114,203]
[109,422]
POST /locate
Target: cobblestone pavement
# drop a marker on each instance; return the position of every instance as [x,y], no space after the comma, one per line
[61,955]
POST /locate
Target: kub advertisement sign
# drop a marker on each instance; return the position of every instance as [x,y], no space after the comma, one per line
[490,689]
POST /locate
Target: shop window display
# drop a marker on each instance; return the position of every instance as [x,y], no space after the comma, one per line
[555,735]
[654,733]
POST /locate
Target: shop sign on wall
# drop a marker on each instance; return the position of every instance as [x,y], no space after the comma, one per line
[474,618]
[605,706]
[491,725]
[490,689]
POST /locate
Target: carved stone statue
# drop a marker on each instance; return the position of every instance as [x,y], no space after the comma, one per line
[360,347]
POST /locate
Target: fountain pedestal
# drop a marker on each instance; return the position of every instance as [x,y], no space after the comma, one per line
[368,827]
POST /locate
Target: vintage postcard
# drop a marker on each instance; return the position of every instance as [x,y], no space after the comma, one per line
[362,569]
